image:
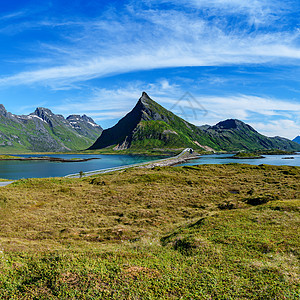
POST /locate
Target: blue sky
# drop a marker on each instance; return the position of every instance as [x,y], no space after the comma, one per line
[235,58]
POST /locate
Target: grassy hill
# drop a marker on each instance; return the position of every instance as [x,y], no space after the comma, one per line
[195,232]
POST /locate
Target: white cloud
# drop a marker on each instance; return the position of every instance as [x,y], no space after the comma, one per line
[246,108]
[103,104]
[164,39]
[110,104]
[284,128]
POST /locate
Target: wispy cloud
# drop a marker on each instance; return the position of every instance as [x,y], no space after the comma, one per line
[245,107]
[255,12]
[106,104]
[166,38]
[13,15]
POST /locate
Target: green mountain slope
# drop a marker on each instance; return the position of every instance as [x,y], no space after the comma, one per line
[232,135]
[149,126]
[44,131]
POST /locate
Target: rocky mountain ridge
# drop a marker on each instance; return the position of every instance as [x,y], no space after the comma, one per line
[43,130]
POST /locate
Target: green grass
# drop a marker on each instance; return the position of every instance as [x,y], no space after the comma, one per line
[159,134]
[4,157]
[195,232]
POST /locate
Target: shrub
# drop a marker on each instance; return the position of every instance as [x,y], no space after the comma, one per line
[262,199]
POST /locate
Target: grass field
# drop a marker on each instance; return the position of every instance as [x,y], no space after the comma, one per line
[194,232]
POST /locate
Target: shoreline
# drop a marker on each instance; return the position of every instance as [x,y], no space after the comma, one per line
[184,156]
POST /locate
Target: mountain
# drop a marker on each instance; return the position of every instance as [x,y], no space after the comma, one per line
[85,126]
[232,135]
[150,126]
[43,130]
[297,139]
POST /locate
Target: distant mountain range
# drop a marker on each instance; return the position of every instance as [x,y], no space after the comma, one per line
[297,139]
[43,130]
[150,126]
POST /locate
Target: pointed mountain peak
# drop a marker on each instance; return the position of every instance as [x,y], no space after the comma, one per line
[145,99]
[126,130]
[78,121]
[145,96]
[46,115]
[42,111]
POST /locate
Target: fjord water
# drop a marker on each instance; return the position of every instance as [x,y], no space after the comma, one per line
[40,169]
[12,169]
[277,160]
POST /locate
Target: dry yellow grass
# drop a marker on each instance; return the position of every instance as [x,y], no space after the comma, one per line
[206,232]
[134,203]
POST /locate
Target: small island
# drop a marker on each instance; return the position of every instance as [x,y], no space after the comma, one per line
[247,155]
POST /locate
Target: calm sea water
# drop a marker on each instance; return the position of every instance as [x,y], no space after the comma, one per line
[39,169]
[277,160]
